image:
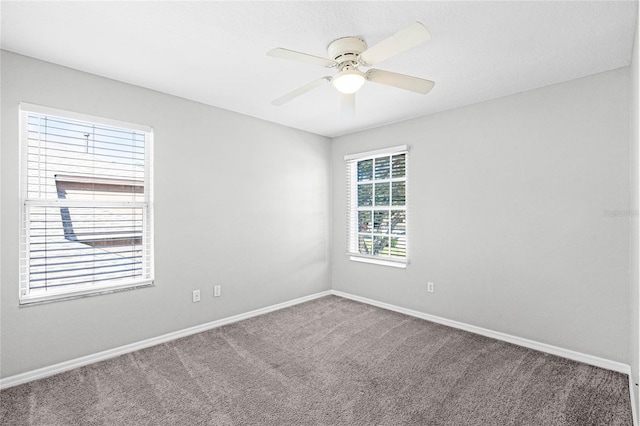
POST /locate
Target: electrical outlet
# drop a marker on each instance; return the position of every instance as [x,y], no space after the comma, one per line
[196,295]
[216,291]
[430,287]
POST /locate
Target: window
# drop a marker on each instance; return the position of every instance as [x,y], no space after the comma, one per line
[377,206]
[86,205]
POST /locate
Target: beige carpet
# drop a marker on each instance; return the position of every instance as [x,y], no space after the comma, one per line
[330,361]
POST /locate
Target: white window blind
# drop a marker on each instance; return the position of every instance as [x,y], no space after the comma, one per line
[86,219]
[377,206]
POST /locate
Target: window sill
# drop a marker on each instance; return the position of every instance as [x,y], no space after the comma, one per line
[40,299]
[381,262]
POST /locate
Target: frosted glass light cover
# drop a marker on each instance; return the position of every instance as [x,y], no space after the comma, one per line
[348,81]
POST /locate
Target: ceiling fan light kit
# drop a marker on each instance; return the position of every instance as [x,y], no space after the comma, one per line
[348,81]
[348,54]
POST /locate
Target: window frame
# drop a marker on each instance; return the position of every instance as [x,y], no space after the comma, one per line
[351,161]
[25,297]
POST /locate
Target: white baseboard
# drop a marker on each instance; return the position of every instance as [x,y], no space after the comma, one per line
[41,373]
[531,344]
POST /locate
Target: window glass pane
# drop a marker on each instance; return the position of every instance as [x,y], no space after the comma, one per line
[398,222]
[365,243]
[398,165]
[381,221]
[398,247]
[364,222]
[365,170]
[382,194]
[365,195]
[398,194]
[84,245]
[381,246]
[68,155]
[382,167]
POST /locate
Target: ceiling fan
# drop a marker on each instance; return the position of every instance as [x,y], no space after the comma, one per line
[348,54]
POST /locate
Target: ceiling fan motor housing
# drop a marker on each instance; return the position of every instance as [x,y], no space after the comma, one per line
[346,49]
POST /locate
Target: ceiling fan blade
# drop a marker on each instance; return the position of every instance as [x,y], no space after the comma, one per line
[300,91]
[292,55]
[404,39]
[348,106]
[406,82]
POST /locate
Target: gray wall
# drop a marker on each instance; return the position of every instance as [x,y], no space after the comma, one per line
[239,202]
[508,202]
[634,252]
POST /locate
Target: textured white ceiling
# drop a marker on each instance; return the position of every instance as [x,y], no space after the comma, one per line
[215,52]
